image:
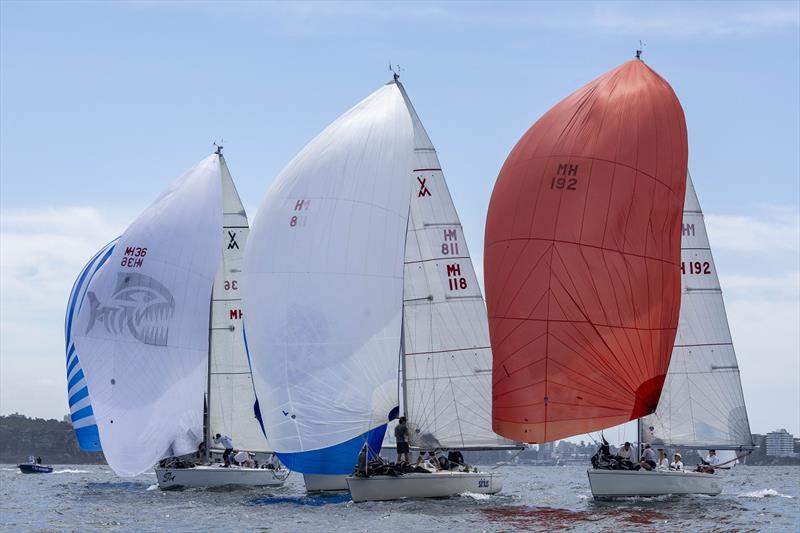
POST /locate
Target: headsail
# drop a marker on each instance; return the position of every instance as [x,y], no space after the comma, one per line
[323,287]
[702,404]
[447,360]
[582,252]
[142,330]
[232,396]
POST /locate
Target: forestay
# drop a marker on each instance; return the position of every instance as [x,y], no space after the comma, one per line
[80,405]
[142,331]
[702,404]
[232,397]
[447,361]
[324,284]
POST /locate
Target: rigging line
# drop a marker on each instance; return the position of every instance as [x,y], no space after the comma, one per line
[510,458]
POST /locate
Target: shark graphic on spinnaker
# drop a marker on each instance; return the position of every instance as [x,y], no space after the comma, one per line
[139,304]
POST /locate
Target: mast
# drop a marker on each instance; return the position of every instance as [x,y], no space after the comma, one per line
[207,420]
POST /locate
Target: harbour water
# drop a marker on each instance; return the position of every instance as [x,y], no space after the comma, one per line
[93,498]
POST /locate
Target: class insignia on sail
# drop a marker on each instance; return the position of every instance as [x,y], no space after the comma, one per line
[582,259]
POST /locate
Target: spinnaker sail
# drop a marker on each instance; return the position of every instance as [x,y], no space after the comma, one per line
[141,330]
[702,403]
[323,287]
[582,257]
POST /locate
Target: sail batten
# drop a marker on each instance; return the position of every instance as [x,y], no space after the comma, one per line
[581,255]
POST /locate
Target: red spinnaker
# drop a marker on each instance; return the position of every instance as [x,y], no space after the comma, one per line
[582,255]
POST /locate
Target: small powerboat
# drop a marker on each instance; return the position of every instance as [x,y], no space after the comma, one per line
[34,466]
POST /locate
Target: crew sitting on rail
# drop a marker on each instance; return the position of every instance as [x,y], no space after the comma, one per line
[676,463]
[709,464]
[455,458]
[663,462]
[648,459]
[626,452]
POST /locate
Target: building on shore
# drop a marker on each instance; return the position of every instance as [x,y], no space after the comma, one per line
[780,443]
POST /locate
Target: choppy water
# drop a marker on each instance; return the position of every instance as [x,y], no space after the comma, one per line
[81,498]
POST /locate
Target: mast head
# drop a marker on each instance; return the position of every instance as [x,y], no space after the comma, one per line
[395,70]
[218,151]
[639,50]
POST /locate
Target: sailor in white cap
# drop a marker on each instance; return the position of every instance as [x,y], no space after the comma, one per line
[676,463]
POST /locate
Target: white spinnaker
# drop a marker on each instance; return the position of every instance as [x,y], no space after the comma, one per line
[324,279]
[447,368]
[142,331]
[232,396]
[701,404]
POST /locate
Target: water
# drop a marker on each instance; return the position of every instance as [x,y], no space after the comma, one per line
[85,498]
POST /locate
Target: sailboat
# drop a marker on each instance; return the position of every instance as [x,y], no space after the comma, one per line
[702,404]
[582,260]
[356,273]
[153,328]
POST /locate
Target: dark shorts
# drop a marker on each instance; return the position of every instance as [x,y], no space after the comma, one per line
[402,447]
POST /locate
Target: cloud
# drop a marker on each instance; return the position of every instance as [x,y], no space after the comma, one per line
[41,252]
[774,230]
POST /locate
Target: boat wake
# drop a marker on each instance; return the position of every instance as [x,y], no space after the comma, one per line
[154,486]
[764,493]
[476,495]
[70,471]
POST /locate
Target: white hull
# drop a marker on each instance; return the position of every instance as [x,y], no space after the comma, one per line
[218,476]
[622,483]
[321,483]
[434,485]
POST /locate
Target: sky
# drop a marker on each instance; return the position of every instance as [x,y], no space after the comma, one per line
[103,104]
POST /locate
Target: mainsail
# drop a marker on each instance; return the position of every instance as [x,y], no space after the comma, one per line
[702,404]
[324,287]
[231,395]
[141,331]
[446,366]
[582,254]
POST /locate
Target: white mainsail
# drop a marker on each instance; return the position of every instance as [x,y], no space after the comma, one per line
[446,361]
[324,283]
[141,332]
[231,397]
[701,404]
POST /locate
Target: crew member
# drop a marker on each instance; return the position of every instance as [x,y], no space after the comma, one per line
[227,443]
[676,463]
[626,452]
[401,436]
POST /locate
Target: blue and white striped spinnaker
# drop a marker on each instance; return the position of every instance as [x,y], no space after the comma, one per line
[141,331]
[80,407]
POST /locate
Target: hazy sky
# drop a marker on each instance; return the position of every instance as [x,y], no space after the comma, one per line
[103,104]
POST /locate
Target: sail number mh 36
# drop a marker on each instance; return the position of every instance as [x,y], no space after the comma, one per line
[133,256]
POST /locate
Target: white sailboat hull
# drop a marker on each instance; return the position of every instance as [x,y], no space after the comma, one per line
[625,483]
[218,476]
[419,485]
[324,483]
